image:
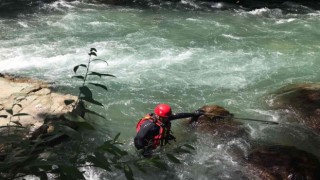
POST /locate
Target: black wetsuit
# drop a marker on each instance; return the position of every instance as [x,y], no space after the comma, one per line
[149,129]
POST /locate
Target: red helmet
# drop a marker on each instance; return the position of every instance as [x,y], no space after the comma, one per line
[163,110]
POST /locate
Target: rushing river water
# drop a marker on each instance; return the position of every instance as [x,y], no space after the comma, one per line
[232,58]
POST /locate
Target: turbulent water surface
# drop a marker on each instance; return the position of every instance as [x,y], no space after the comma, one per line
[232,58]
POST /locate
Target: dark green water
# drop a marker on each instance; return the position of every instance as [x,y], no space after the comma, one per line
[187,59]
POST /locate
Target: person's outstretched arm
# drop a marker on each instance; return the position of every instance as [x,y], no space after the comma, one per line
[186,115]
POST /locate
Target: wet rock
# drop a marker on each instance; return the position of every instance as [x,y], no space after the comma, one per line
[302,101]
[217,120]
[282,162]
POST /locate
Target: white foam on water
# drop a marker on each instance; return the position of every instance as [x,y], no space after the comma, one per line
[55,67]
[190,3]
[217,5]
[102,24]
[231,36]
[283,21]
[23,24]
[314,14]
[270,114]
[259,11]
[60,5]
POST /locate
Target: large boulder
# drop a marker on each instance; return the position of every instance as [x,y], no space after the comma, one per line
[282,162]
[217,120]
[302,101]
[21,96]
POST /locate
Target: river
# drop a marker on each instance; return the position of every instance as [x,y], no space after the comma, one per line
[186,58]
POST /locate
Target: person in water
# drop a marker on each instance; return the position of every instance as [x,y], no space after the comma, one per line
[153,130]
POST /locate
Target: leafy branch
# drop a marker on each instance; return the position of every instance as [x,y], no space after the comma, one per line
[85,94]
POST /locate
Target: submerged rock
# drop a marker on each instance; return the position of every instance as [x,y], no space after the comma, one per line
[303,101]
[282,162]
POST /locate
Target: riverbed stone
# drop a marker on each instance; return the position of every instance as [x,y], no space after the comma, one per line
[302,101]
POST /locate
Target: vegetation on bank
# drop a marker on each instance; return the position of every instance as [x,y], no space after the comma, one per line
[61,152]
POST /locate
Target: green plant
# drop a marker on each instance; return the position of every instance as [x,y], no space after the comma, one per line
[85,94]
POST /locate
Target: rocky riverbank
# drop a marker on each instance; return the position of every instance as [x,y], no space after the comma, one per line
[28,103]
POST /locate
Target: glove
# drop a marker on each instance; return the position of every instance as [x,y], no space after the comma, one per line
[199,112]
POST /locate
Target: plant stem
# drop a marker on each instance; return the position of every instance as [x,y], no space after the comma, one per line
[84,82]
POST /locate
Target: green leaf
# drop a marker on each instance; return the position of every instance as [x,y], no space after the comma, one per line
[99,60]
[92,54]
[128,172]
[68,101]
[189,146]
[19,99]
[78,77]
[93,112]
[91,101]
[22,114]
[3,116]
[10,139]
[173,159]
[40,174]
[109,147]
[51,137]
[71,172]
[17,123]
[100,85]
[140,167]
[118,166]
[12,126]
[38,171]
[93,49]
[85,125]
[158,163]
[98,162]
[69,131]
[116,137]
[77,67]
[18,105]
[41,164]
[9,111]
[181,150]
[100,74]
[86,92]
[73,117]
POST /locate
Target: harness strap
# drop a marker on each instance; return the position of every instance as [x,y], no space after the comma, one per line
[164,131]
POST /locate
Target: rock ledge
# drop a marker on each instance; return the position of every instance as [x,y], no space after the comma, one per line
[34,97]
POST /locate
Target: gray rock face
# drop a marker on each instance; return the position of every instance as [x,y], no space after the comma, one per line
[36,98]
